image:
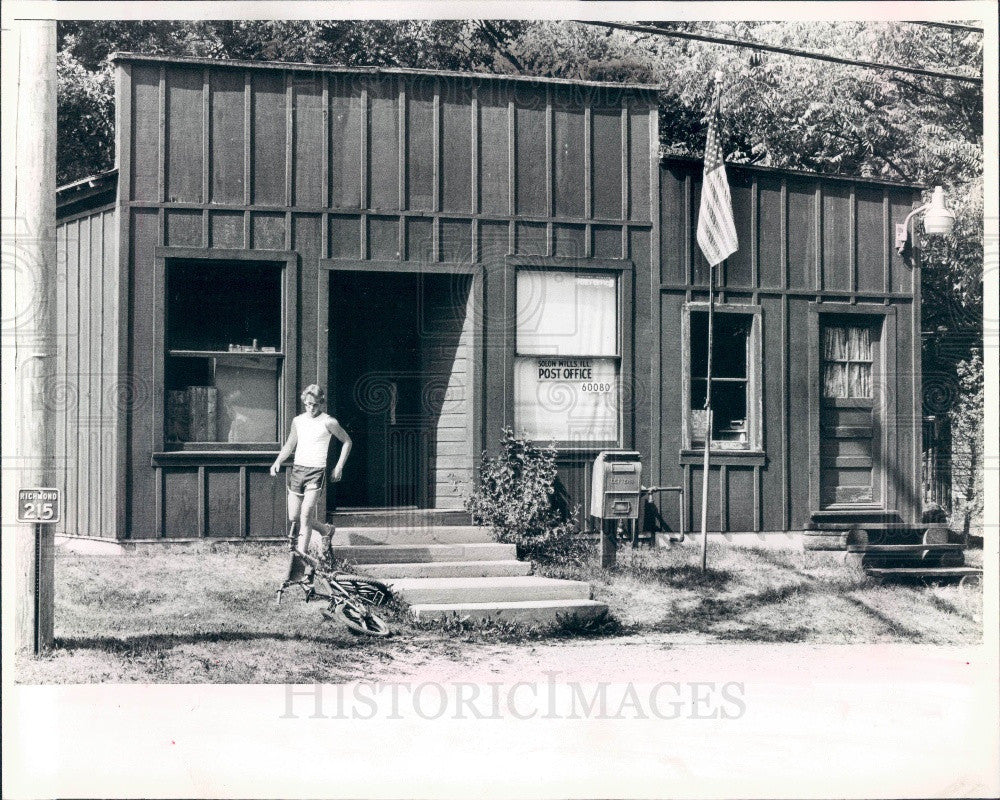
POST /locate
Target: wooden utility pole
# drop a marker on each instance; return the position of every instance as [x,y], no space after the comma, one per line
[29,344]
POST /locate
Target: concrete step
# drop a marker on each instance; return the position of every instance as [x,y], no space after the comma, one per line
[529,611]
[487,590]
[448,569]
[423,553]
[394,517]
[416,534]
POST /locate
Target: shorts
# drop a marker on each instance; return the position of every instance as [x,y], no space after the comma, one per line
[303,479]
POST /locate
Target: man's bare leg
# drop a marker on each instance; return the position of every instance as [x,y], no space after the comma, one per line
[308,521]
[296,567]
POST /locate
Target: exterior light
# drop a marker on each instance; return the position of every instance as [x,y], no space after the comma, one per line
[939,220]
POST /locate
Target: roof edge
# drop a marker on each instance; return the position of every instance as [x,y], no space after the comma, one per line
[801,173]
[118,57]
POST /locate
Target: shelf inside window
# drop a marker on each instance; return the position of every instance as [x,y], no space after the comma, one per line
[220,353]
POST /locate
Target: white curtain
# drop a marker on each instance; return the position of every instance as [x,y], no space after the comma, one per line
[559,313]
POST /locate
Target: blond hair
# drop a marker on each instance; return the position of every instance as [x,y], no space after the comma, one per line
[313,391]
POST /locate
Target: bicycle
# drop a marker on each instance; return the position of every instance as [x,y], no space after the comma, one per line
[351,597]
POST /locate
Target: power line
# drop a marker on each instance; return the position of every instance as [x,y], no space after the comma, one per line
[784,50]
[951,26]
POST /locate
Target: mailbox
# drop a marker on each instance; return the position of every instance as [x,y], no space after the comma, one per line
[616,487]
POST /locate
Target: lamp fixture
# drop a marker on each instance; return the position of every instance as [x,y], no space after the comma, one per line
[939,220]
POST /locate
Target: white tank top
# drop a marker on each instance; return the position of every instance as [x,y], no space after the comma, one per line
[313,440]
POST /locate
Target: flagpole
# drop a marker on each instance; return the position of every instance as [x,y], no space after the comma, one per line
[708,421]
[717,239]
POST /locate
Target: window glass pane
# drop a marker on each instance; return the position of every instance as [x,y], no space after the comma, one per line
[835,380]
[559,313]
[228,399]
[212,305]
[566,399]
[835,343]
[730,334]
[859,346]
[860,376]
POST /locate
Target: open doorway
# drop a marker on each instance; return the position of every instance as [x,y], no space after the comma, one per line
[400,370]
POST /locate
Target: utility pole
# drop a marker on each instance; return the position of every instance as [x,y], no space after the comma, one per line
[29,342]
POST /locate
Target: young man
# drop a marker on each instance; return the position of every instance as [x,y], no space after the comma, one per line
[309,439]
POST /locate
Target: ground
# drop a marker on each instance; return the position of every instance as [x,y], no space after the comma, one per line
[168,616]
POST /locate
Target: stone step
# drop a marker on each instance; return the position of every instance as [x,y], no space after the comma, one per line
[415,534]
[423,553]
[447,569]
[902,548]
[487,590]
[528,611]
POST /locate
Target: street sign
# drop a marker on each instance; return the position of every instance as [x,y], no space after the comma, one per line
[38,505]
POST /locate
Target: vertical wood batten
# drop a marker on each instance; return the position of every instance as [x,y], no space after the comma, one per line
[325,191]
[123,126]
[588,176]
[818,233]
[206,152]
[161,178]
[723,498]
[289,143]
[511,176]
[247,154]
[244,521]
[436,181]
[401,145]
[785,379]
[887,243]
[852,249]
[474,149]
[202,504]
[365,159]
[626,191]
[158,530]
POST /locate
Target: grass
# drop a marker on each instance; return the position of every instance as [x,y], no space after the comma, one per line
[192,617]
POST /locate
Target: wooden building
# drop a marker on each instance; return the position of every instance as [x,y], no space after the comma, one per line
[451,254]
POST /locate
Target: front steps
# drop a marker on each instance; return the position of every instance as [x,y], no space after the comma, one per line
[886,551]
[458,571]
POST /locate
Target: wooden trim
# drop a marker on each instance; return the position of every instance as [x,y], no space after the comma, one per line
[475,155]
[654,367]
[436,149]
[786,476]
[407,214]
[758,523]
[511,166]
[915,412]
[723,496]
[867,309]
[365,153]
[818,233]
[158,502]
[123,147]
[731,458]
[247,150]
[478,394]
[827,297]
[202,501]
[161,190]
[886,243]
[814,394]
[754,233]
[359,265]
[626,145]
[852,251]
[244,521]
[688,244]
[588,157]
[402,182]
[570,263]
[206,146]
[325,159]
[289,143]
[206,458]
[223,254]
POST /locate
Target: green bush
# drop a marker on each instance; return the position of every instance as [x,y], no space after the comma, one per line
[514,498]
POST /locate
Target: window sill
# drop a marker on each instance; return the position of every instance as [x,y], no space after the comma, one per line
[260,455]
[741,458]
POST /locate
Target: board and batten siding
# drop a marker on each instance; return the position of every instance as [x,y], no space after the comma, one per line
[90,392]
[807,245]
[432,171]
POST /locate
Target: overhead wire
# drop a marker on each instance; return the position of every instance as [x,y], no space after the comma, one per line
[791,51]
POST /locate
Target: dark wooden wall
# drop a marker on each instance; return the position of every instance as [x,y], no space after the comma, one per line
[90,390]
[379,168]
[803,240]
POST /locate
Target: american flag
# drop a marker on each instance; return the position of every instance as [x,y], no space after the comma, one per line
[716,230]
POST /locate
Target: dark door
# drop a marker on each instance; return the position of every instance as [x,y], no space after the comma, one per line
[850,413]
[375,380]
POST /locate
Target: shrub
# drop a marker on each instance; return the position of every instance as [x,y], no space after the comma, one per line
[514,498]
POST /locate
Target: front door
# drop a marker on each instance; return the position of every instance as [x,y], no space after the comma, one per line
[376,376]
[850,413]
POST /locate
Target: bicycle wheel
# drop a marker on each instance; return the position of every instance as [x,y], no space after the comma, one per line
[361,620]
[372,592]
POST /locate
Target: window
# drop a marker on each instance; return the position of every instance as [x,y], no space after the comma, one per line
[847,361]
[224,359]
[735,379]
[567,363]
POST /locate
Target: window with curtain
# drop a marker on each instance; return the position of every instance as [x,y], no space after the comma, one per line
[567,363]
[847,361]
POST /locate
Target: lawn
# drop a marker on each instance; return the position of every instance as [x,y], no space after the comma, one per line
[189,617]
